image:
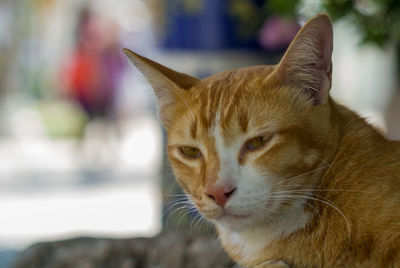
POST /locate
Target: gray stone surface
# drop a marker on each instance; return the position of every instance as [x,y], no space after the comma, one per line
[169,250]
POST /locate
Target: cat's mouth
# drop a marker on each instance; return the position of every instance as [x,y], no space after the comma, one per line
[226,214]
[232,220]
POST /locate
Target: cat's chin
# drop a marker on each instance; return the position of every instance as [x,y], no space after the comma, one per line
[230,218]
[234,221]
[234,224]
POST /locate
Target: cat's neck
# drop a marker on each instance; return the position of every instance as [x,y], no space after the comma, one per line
[361,155]
[350,135]
[349,124]
[248,245]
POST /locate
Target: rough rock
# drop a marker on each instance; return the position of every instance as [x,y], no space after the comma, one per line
[168,250]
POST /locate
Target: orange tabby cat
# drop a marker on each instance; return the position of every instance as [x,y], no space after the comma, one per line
[288,177]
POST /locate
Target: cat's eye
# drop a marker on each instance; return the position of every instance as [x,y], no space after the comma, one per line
[190,152]
[257,142]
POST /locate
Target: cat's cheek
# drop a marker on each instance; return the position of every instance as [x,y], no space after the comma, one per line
[188,176]
[284,157]
[211,214]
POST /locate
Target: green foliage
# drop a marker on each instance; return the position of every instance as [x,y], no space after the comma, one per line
[377,20]
[249,16]
[285,8]
[337,8]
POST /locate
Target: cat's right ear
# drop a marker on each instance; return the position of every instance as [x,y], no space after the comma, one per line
[168,85]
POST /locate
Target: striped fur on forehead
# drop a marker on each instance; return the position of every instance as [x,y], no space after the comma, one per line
[228,97]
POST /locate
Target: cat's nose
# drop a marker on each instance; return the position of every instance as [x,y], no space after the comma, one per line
[220,194]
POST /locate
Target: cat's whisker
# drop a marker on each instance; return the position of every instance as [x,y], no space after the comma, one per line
[191,210]
[193,222]
[261,207]
[175,195]
[313,207]
[170,208]
[300,175]
[176,209]
[322,160]
[200,221]
[173,213]
[332,164]
[194,219]
[336,208]
[317,190]
[182,199]
[174,204]
[295,200]
[194,216]
[305,197]
[179,199]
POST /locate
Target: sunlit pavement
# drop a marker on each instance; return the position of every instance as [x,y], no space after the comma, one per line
[105,186]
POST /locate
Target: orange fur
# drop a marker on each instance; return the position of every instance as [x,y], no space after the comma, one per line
[336,179]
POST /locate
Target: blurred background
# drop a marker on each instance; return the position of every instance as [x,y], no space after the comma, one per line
[81,149]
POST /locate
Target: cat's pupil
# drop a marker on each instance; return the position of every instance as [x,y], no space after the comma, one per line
[190,152]
[257,143]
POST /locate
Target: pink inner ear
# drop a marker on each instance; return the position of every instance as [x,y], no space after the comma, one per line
[326,47]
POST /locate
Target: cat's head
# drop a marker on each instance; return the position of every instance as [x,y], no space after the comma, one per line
[240,141]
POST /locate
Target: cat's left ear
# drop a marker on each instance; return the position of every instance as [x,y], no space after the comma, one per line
[307,62]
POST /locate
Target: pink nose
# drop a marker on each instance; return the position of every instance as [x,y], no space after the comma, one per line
[220,194]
